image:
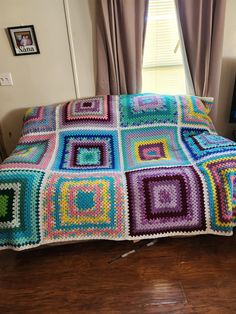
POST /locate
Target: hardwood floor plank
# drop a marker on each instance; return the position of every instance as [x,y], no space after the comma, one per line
[190,275]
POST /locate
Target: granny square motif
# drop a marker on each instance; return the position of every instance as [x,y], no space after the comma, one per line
[94,111]
[222,196]
[149,109]
[165,200]
[117,167]
[84,206]
[149,147]
[200,143]
[33,151]
[40,119]
[193,112]
[87,151]
[19,208]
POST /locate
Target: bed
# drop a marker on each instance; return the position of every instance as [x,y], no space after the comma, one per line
[117,167]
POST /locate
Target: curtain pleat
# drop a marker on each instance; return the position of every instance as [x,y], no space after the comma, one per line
[120,29]
[201,24]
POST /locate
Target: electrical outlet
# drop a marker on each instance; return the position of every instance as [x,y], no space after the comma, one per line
[6,79]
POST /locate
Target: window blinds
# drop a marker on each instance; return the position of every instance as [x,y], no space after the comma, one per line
[162,35]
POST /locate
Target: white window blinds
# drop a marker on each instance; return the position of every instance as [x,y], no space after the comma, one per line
[161,43]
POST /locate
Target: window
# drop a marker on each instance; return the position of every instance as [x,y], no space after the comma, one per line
[163,70]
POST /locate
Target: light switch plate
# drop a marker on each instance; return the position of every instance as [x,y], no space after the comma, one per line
[6,79]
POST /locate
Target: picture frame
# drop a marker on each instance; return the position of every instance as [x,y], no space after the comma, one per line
[23,40]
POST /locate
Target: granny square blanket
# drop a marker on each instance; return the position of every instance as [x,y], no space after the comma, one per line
[118,168]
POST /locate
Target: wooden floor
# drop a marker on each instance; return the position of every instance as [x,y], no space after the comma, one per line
[190,275]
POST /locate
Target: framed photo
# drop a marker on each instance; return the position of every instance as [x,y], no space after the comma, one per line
[23,40]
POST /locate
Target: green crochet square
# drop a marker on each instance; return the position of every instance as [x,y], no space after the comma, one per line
[88,156]
[6,205]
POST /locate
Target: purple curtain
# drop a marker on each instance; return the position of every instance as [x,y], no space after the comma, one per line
[201,24]
[120,28]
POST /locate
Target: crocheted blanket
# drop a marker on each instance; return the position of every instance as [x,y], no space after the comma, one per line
[117,168]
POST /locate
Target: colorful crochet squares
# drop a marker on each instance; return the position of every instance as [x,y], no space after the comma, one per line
[165,200]
[19,203]
[208,103]
[233,187]
[147,109]
[33,151]
[87,150]
[119,167]
[85,206]
[193,112]
[40,119]
[220,176]
[95,111]
[149,147]
[201,143]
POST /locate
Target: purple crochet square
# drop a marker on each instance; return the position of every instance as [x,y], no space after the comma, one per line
[151,151]
[92,105]
[165,200]
[98,111]
[165,197]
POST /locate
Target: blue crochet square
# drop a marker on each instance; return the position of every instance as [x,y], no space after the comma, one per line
[86,150]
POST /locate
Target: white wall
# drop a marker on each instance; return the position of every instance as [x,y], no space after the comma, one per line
[48,77]
[82,18]
[228,72]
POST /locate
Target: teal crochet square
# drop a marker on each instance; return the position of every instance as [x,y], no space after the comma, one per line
[88,156]
[147,109]
[19,207]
